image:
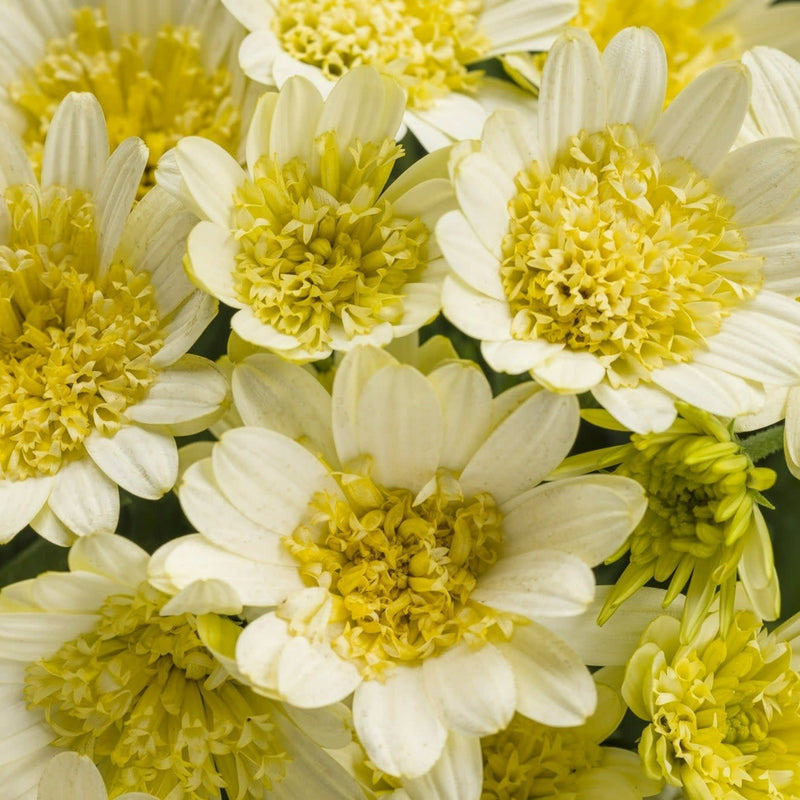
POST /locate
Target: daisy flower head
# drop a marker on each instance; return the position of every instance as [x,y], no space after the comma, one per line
[722,712]
[161,70]
[95,319]
[703,526]
[398,542]
[623,250]
[97,663]
[696,33]
[425,45]
[307,244]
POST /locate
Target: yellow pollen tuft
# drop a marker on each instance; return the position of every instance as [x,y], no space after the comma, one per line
[529,760]
[402,572]
[157,89]
[691,43]
[142,697]
[614,253]
[330,252]
[724,715]
[424,44]
[75,346]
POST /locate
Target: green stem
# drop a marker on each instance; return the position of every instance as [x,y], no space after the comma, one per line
[764,443]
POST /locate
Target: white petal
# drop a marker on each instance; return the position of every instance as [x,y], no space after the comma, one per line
[110,556]
[780,246]
[253,330]
[636,73]
[451,118]
[15,166]
[524,448]
[212,258]
[510,141]
[206,596]
[81,593]
[211,177]
[457,775]
[116,193]
[269,477]
[696,126]
[380,107]
[484,191]
[466,400]
[589,516]
[471,689]
[515,356]
[548,583]
[748,346]
[154,239]
[76,147]
[613,643]
[191,389]
[31,636]
[141,461]
[573,93]
[253,14]
[21,501]
[192,558]
[775,104]
[271,393]
[396,724]
[71,775]
[715,391]
[311,675]
[84,499]
[569,371]
[520,25]
[297,111]
[643,409]
[474,313]
[553,685]
[258,651]
[184,327]
[50,527]
[353,373]
[760,179]
[222,524]
[259,131]
[467,256]
[400,426]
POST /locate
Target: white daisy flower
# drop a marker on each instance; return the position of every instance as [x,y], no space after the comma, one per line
[696,33]
[96,316]
[306,242]
[426,45]
[96,662]
[623,250]
[396,539]
[161,70]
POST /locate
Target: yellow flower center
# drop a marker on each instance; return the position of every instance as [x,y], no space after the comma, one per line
[702,492]
[528,760]
[156,89]
[615,253]
[317,252]
[727,712]
[701,487]
[402,572]
[143,698]
[424,44]
[692,45]
[75,346]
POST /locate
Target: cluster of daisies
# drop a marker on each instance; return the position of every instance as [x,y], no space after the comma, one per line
[391,580]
